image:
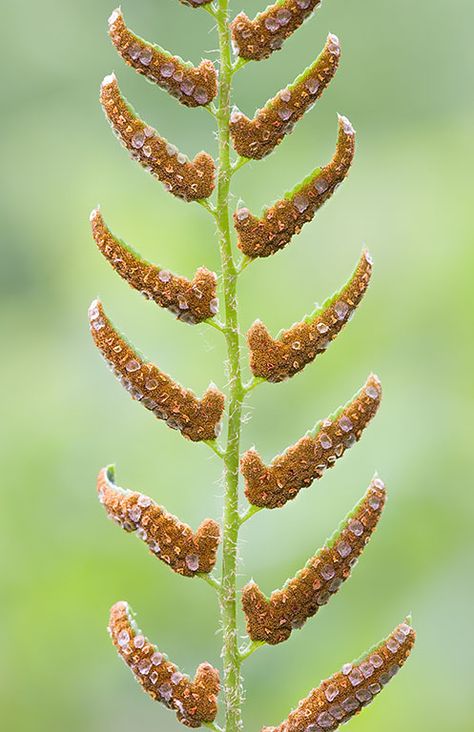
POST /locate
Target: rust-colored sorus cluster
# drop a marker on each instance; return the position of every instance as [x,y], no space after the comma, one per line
[257,39]
[261,237]
[272,621]
[344,695]
[190,181]
[192,86]
[258,137]
[278,359]
[195,702]
[168,538]
[192,301]
[196,419]
[304,462]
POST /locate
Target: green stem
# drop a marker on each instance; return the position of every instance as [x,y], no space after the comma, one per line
[215,448]
[215,324]
[249,513]
[210,580]
[256,381]
[239,163]
[251,648]
[231,521]
[213,726]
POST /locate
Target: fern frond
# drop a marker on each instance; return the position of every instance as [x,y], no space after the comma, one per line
[195,3]
[172,541]
[190,181]
[278,359]
[195,702]
[261,237]
[347,692]
[272,621]
[192,301]
[196,419]
[307,460]
[257,39]
[258,137]
[192,86]
[194,553]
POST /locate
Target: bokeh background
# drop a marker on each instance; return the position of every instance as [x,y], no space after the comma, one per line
[406,83]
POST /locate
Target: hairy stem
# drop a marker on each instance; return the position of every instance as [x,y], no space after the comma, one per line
[231,521]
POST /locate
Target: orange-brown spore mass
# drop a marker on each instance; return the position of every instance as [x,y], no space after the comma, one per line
[192,86]
[306,461]
[347,692]
[196,419]
[258,137]
[192,301]
[261,237]
[168,538]
[281,358]
[272,621]
[257,39]
[188,180]
[195,702]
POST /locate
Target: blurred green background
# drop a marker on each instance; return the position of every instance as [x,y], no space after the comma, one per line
[406,84]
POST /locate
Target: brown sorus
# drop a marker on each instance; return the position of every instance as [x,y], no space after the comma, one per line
[188,180]
[192,86]
[257,39]
[306,461]
[278,359]
[258,137]
[192,301]
[273,620]
[195,702]
[344,695]
[168,539]
[196,419]
[261,237]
